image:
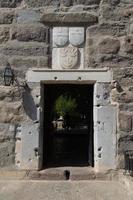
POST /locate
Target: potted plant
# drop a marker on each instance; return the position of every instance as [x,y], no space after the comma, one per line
[65,108]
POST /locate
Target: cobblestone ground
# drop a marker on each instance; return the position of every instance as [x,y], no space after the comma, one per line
[62,190]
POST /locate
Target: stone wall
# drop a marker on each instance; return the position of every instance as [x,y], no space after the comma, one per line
[25,43]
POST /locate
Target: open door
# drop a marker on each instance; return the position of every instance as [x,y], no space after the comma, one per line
[72,144]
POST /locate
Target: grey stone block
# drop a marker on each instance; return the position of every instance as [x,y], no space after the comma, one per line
[9,3]
[7,132]
[27,16]
[30,32]
[6,16]
[11,112]
[40,3]
[125,121]
[24,49]
[70,17]
[23,62]
[86,2]
[109,45]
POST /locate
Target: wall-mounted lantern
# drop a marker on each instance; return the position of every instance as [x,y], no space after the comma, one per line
[8,75]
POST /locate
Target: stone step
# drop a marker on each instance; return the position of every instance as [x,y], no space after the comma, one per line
[72,173]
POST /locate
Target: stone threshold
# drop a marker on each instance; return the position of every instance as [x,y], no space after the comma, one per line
[61,173]
[73,174]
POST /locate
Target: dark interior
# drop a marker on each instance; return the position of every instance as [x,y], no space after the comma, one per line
[72,145]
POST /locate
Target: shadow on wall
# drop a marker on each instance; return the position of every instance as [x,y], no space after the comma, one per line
[29,105]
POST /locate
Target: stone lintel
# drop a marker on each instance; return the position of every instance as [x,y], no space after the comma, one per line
[69,18]
[69,75]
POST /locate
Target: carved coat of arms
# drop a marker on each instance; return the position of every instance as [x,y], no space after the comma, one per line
[69,57]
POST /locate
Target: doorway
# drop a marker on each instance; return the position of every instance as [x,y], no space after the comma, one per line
[68,125]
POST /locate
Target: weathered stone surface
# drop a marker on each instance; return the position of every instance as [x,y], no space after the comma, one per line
[44,62]
[4,34]
[129,44]
[109,45]
[40,3]
[11,112]
[3,61]
[120,161]
[106,12]
[74,17]
[128,107]
[111,13]
[125,121]
[27,16]
[30,32]
[7,154]
[7,132]
[10,3]
[125,143]
[126,1]
[112,2]
[7,144]
[86,2]
[9,94]
[112,29]
[66,3]
[24,49]
[22,62]
[6,16]
[33,3]
[123,76]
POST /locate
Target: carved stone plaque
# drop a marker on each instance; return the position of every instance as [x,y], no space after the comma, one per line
[69,57]
[60,36]
[76,35]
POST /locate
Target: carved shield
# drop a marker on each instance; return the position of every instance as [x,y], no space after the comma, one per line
[69,57]
[60,36]
[76,35]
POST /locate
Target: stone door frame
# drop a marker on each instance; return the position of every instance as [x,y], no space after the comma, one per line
[104,115]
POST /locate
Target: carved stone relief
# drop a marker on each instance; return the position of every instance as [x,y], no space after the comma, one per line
[76,36]
[68,57]
[60,36]
[68,48]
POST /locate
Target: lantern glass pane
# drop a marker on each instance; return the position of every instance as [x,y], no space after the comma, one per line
[8,72]
[8,80]
[8,76]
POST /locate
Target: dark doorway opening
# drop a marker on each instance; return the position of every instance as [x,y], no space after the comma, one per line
[68,139]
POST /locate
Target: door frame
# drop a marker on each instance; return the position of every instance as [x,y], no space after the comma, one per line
[104,116]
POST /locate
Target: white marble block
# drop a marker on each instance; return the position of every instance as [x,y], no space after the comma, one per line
[68,48]
[76,36]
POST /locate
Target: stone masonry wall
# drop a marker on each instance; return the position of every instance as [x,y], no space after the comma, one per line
[24,43]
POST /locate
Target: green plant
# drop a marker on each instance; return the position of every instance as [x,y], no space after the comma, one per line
[65,105]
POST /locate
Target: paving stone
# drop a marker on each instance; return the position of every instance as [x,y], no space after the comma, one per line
[70,190]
